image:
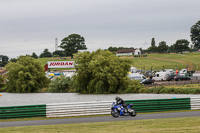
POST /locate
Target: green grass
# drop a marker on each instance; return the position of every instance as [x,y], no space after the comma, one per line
[169,61]
[175,125]
[184,86]
[190,59]
[147,63]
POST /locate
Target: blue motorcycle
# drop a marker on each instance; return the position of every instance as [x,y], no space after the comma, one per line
[119,110]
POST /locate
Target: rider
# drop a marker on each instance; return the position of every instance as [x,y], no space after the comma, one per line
[120,101]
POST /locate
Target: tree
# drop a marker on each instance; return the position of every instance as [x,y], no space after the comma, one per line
[13,60]
[72,44]
[101,72]
[153,43]
[195,35]
[152,49]
[181,45]
[162,47]
[60,84]
[112,49]
[34,55]
[59,53]
[26,75]
[4,60]
[45,53]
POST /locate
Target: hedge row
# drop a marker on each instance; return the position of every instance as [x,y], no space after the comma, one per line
[164,90]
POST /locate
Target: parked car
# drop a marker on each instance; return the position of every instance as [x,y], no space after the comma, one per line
[160,76]
[179,78]
[149,74]
[170,77]
[147,81]
[136,76]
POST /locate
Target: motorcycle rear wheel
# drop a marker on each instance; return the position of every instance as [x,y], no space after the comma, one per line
[115,113]
[133,113]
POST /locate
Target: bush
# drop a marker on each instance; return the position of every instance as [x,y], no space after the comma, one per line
[2,88]
[56,56]
[156,90]
[135,87]
[162,89]
[60,84]
[26,75]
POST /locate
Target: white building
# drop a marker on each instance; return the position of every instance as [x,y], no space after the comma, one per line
[128,52]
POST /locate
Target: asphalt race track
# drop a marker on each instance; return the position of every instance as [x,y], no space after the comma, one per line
[98,119]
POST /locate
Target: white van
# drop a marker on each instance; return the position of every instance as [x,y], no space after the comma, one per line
[160,76]
[136,76]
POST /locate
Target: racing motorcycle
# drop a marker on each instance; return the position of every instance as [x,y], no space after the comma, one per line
[119,110]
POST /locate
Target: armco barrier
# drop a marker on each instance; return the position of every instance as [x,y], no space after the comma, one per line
[195,103]
[78,108]
[22,111]
[96,108]
[160,104]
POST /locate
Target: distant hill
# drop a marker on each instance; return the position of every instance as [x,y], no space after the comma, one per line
[166,61]
[154,61]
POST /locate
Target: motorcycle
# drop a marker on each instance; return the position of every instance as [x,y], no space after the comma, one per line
[119,110]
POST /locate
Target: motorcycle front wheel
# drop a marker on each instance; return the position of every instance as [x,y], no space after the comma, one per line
[115,113]
[133,113]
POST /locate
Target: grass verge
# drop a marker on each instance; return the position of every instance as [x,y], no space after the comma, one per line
[175,125]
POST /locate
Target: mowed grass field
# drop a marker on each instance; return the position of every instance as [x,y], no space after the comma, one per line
[171,125]
[154,61]
[168,61]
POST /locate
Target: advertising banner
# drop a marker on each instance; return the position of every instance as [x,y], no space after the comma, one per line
[61,64]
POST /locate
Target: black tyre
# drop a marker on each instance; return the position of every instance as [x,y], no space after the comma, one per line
[132,112]
[115,113]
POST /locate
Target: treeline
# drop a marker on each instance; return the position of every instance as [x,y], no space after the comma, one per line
[114,49]
[178,47]
[99,72]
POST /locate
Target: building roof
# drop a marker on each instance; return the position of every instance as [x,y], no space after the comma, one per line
[125,50]
[3,71]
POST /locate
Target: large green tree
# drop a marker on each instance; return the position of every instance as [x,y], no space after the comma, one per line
[152,49]
[34,55]
[3,60]
[26,75]
[72,44]
[181,45]
[59,53]
[45,53]
[195,35]
[153,42]
[162,47]
[101,72]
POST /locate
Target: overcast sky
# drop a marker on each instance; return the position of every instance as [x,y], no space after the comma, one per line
[28,26]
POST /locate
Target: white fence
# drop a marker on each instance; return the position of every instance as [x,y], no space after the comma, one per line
[78,108]
[195,103]
[92,108]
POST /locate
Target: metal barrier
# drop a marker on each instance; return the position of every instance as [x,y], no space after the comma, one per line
[97,108]
[195,103]
[155,105]
[22,111]
[78,108]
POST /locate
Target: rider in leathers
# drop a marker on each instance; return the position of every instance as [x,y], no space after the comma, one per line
[120,101]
